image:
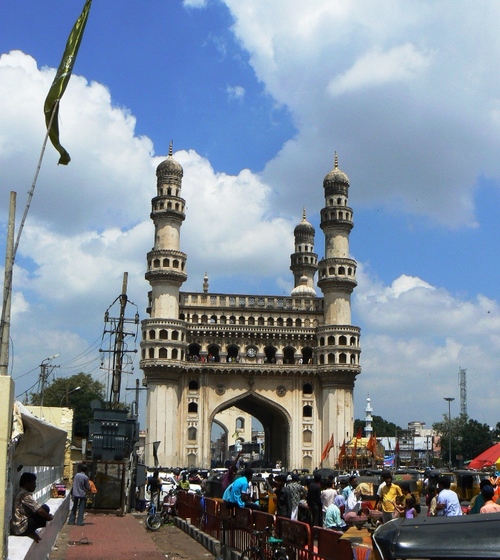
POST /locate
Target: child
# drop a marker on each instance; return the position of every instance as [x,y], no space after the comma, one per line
[431,501]
[410,511]
[399,507]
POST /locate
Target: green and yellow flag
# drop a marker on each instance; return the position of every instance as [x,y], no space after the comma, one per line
[51,106]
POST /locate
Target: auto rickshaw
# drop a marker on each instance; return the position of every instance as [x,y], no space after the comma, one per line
[434,476]
[467,484]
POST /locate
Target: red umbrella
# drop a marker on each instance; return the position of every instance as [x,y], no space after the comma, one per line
[486,458]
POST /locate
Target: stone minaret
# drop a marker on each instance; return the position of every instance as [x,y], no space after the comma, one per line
[163,345]
[304,261]
[338,348]
[166,263]
[368,418]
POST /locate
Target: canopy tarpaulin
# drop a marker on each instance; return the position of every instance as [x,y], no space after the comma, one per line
[40,443]
[487,458]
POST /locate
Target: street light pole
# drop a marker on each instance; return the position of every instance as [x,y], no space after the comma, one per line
[68,393]
[449,399]
[44,375]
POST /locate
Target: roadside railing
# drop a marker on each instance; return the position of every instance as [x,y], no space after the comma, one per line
[233,528]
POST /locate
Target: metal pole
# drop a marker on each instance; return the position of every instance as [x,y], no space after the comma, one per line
[43,379]
[118,350]
[7,289]
[449,399]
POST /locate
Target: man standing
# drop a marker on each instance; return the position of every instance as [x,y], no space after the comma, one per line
[80,488]
[27,514]
[294,492]
[328,496]
[281,509]
[232,469]
[387,496]
[353,482]
[314,501]
[154,487]
[448,504]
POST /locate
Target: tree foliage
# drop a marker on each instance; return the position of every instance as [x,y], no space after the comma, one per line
[381,427]
[61,392]
[469,438]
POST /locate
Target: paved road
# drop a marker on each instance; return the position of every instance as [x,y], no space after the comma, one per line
[109,537]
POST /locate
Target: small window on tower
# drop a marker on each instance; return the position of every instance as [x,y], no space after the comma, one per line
[307,389]
[193,385]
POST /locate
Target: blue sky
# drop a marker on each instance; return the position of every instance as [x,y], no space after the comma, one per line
[257,96]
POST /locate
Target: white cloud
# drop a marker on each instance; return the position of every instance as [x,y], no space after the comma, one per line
[231,239]
[415,338]
[89,222]
[235,92]
[414,108]
[194,3]
[399,64]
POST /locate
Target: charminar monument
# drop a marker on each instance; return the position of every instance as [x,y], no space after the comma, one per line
[290,362]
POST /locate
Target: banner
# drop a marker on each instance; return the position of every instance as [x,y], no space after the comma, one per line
[51,106]
[326,449]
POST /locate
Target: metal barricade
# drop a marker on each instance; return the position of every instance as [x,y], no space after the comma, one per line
[233,527]
[297,538]
[330,547]
[212,520]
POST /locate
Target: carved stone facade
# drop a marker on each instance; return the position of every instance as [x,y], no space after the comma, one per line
[290,362]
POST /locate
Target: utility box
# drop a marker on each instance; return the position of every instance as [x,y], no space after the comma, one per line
[113,435]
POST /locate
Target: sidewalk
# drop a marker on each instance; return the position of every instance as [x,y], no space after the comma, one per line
[110,538]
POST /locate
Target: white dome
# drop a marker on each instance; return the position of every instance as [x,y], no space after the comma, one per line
[303,289]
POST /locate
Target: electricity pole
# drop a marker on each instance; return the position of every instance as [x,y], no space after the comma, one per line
[449,399]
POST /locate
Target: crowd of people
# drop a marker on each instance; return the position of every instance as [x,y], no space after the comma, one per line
[442,501]
[330,503]
[338,505]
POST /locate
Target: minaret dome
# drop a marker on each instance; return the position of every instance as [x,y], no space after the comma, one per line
[304,228]
[170,168]
[336,177]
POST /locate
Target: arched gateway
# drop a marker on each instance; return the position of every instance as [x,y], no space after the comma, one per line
[290,362]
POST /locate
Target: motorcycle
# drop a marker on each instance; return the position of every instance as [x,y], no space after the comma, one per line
[155,519]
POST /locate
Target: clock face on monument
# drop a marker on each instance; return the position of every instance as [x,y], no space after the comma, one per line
[251,352]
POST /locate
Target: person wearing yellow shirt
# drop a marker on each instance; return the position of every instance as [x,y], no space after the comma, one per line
[387,497]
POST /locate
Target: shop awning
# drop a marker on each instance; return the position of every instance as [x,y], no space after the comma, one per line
[40,443]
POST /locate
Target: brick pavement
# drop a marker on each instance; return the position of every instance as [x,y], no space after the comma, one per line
[112,538]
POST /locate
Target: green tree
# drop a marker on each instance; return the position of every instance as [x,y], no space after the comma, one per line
[469,438]
[381,427]
[61,392]
[496,433]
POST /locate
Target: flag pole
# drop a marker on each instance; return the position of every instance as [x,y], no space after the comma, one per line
[35,178]
[51,107]
[11,257]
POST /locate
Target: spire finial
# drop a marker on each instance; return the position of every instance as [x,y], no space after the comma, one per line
[304,217]
[336,161]
[170,149]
